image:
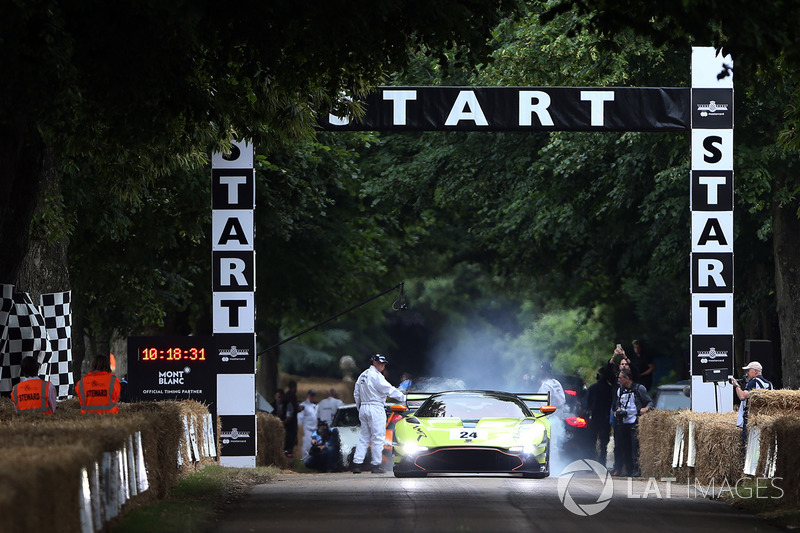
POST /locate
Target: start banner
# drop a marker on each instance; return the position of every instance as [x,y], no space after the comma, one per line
[520,109]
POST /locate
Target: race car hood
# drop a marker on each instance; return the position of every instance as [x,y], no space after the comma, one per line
[493,432]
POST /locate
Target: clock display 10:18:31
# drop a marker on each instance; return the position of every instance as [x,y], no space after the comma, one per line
[172,354]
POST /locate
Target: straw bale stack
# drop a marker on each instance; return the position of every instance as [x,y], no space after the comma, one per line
[41,457]
[787,430]
[271,437]
[776,413]
[40,461]
[717,442]
[656,440]
[773,403]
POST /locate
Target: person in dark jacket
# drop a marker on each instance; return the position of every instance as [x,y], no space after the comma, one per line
[598,409]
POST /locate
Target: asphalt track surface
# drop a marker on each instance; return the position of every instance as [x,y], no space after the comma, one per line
[354,503]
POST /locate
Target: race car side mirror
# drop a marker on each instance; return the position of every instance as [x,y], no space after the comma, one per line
[548,409]
[399,408]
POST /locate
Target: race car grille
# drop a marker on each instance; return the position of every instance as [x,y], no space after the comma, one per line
[468,460]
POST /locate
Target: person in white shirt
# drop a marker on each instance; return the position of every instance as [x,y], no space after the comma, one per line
[307,417]
[327,407]
[371,390]
[551,385]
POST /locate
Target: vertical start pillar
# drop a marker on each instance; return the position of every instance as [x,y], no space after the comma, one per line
[711,206]
[234,287]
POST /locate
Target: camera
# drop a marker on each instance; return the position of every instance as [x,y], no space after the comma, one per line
[733,381]
[620,415]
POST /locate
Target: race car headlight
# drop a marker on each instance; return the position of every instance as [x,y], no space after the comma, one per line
[412,448]
[528,449]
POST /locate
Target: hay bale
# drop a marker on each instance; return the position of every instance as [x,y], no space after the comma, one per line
[161,439]
[656,442]
[717,440]
[766,424]
[49,452]
[787,431]
[271,437]
[773,402]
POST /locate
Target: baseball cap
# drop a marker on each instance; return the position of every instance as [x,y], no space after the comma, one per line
[755,365]
[380,358]
[312,392]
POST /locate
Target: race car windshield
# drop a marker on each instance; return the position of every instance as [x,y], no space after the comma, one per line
[471,407]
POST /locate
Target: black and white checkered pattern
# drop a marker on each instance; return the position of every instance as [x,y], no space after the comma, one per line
[6,301]
[25,334]
[55,308]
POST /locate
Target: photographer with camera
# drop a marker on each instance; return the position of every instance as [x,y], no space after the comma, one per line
[754,381]
[630,402]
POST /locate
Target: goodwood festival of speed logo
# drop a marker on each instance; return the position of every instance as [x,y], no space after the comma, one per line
[603,499]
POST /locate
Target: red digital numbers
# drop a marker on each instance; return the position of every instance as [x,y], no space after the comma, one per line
[174,354]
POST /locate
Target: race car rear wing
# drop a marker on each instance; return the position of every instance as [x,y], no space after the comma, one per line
[537,401]
[415,399]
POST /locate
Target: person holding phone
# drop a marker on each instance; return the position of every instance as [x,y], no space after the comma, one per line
[619,360]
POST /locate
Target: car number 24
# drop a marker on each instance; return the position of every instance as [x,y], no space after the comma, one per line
[468,434]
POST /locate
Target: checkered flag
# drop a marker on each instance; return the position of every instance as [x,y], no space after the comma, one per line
[6,302]
[55,308]
[25,334]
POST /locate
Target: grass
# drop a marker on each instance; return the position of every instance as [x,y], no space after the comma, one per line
[192,505]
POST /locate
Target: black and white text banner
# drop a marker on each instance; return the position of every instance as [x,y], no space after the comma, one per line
[234,289]
[711,194]
[520,109]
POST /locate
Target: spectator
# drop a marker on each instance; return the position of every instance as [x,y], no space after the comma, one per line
[643,364]
[630,402]
[33,394]
[98,392]
[327,407]
[405,382]
[550,384]
[283,409]
[291,417]
[598,409]
[308,420]
[324,453]
[754,381]
[619,360]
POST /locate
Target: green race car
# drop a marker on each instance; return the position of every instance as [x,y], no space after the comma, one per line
[474,432]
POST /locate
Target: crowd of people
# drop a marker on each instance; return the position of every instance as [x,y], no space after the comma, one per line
[615,402]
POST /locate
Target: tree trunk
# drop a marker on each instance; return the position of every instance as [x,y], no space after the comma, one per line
[44,267]
[786,246]
[267,375]
[20,177]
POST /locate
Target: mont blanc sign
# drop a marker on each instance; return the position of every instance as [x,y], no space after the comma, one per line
[521,109]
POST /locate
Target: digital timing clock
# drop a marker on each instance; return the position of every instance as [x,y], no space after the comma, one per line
[173,367]
[173,353]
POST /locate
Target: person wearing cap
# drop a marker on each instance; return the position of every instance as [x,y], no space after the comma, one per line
[370,392]
[752,372]
[307,418]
